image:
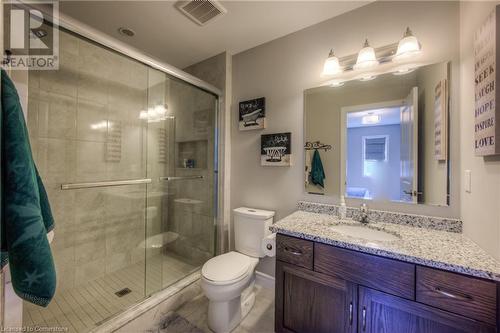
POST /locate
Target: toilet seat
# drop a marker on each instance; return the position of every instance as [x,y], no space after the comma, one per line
[228,268]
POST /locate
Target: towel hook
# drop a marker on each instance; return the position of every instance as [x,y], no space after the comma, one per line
[313,145]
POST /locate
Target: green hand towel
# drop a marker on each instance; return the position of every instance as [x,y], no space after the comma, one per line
[25,211]
[317,172]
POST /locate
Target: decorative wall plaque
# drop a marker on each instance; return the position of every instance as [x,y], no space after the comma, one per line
[276,149]
[486,130]
[252,114]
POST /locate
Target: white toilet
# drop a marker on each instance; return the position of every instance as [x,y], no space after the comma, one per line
[228,279]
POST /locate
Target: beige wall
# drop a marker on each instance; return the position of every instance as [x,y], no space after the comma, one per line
[480,209]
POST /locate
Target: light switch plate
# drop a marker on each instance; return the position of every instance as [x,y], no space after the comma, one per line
[467,181]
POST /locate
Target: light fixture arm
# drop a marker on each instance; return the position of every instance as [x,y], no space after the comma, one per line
[384,54]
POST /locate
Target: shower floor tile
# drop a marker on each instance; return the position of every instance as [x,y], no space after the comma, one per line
[82,308]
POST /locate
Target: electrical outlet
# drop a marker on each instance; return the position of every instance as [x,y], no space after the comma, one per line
[467,181]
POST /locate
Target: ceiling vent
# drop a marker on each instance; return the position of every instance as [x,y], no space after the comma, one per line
[201,11]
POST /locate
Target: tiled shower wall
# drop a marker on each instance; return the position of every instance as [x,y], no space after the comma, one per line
[191,205]
[72,116]
[85,126]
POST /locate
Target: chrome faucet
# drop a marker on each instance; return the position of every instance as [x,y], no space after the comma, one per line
[363,213]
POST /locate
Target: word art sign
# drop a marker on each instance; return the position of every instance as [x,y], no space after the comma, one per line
[486,131]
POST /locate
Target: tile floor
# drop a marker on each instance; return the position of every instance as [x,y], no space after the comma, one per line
[259,320]
[80,309]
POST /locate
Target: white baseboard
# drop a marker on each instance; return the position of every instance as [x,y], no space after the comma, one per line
[264,280]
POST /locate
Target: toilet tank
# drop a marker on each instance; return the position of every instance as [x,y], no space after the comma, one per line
[250,227]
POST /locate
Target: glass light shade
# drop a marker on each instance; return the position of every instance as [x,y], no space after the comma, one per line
[332,65]
[336,83]
[408,46]
[405,69]
[155,114]
[366,57]
[370,119]
[366,76]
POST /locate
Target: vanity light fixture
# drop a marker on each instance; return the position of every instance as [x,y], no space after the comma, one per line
[332,65]
[366,57]
[100,125]
[155,114]
[397,58]
[336,83]
[366,77]
[404,70]
[408,46]
[370,119]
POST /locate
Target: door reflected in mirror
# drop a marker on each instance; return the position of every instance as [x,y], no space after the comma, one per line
[386,136]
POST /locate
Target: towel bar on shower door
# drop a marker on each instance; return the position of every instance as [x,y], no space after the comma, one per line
[181,178]
[75,186]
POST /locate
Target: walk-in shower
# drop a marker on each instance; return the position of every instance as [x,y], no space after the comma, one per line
[128,155]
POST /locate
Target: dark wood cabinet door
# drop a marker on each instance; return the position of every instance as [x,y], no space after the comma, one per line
[379,312]
[311,302]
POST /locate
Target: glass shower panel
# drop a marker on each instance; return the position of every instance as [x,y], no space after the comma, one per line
[104,118]
[84,127]
[181,198]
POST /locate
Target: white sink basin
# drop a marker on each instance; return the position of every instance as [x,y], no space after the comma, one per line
[364,233]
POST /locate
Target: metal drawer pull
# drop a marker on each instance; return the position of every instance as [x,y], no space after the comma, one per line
[453,295]
[293,251]
[364,318]
[180,178]
[75,186]
[350,313]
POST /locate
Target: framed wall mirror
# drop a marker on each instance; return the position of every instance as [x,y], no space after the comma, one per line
[389,138]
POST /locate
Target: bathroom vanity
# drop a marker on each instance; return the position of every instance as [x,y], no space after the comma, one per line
[423,281]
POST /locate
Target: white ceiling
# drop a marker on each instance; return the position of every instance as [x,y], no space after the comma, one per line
[163,32]
[388,116]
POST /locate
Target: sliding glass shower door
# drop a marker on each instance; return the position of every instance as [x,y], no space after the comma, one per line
[181,198]
[127,156]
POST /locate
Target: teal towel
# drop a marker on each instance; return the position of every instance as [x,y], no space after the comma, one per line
[25,211]
[317,172]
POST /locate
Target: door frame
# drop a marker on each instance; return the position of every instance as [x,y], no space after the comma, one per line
[343,132]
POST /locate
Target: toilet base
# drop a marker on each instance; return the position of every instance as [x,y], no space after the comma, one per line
[224,316]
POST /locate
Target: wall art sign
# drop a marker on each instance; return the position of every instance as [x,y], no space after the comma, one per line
[252,114]
[276,149]
[486,131]
[441,120]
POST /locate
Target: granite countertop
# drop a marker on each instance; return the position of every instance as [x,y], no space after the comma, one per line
[450,251]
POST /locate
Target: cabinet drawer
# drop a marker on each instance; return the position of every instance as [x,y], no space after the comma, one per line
[467,296]
[294,251]
[392,276]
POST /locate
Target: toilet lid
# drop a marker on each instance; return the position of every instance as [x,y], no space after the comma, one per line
[226,267]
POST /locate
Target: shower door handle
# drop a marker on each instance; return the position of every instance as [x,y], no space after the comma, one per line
[74,186]
[180,178]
